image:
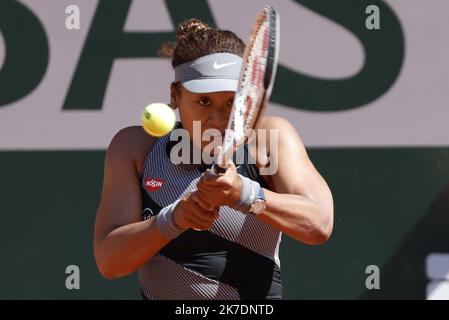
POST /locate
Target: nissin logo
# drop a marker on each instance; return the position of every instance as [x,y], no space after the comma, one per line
[152,184]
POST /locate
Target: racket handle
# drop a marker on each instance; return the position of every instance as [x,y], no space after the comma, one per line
[217,169]
[223,154]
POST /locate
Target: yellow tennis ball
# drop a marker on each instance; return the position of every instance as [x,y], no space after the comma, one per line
[158,119]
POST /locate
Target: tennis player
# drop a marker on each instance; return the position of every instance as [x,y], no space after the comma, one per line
[191,234]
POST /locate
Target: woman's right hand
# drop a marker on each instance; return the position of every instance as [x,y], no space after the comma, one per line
[191,212]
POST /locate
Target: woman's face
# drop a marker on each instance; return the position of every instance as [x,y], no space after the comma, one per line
[212,110]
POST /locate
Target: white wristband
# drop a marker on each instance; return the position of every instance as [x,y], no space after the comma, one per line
[165,222]
[250,191]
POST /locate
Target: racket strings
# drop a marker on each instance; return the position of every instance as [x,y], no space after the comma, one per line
[255,82]
[252,88]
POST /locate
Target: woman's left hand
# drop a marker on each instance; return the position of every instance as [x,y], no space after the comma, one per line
[219,190]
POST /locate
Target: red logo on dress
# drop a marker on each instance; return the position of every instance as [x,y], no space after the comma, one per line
[152,184]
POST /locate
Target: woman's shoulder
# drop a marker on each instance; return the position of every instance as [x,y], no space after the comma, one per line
[133,143]
[130,138]
[286,130]
[275,122]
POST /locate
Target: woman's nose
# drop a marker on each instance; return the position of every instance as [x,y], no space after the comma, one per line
[219,117]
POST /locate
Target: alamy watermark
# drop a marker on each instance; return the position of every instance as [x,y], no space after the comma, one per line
[188,150]
[372,22]
[373,280]
[72,22]
[72,282]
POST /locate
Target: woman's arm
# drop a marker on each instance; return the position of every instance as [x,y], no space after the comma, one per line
[122,242]
[298,216]
[302,204]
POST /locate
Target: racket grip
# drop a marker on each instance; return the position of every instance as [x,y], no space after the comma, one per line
[217,169]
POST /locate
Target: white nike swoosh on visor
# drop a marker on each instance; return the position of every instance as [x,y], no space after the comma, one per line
[219,66]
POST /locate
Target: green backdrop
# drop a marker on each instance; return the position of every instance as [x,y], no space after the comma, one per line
[391,210]
[391,204]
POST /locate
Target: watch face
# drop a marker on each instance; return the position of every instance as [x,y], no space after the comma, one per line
[258,206]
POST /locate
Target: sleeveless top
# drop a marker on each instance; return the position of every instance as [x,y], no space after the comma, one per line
[237,258]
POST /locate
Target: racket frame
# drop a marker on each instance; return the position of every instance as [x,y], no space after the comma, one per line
[270,73]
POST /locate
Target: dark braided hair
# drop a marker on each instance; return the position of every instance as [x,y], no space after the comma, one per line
[195,39]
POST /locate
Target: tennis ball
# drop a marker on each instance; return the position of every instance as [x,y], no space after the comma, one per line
[158,119]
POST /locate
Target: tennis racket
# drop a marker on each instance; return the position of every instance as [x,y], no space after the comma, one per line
[257,75]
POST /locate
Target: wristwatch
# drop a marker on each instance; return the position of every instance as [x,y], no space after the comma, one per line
[259,205]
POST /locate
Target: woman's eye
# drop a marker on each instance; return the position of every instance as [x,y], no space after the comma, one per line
[205,102]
